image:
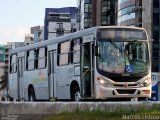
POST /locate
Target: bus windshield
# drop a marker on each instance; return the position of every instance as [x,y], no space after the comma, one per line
[126,57]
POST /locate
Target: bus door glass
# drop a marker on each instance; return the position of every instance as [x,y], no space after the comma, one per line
[87,70]
[51,74]
[20,78]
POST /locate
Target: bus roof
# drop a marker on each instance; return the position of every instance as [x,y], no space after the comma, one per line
[65,38]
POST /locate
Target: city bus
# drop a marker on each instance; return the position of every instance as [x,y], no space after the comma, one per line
[102,62]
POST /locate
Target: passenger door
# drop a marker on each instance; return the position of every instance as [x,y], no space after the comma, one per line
[87,82]
[20,78]
[51,74]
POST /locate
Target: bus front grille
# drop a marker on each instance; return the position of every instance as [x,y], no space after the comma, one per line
[125,78]
[120,91]
[122,85]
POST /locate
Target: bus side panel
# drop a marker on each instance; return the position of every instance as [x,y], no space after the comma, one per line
[41,86]
[65,76]
[39,80]
[13,86]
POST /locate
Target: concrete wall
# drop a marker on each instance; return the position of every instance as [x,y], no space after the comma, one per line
[19,109]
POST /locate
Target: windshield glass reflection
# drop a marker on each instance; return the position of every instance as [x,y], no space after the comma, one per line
[123,57]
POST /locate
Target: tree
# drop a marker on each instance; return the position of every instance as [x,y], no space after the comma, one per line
[4,79]
[3,82]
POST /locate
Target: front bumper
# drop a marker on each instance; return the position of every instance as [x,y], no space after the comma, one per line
[118,92]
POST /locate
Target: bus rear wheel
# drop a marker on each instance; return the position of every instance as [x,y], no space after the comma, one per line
[32,96]
[75,96]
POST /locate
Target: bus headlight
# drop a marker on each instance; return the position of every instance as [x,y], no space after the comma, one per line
[145,83]
[102,82]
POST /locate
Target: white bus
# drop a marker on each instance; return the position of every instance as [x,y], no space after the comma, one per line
[96,63]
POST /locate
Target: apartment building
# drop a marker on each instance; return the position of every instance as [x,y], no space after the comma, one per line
[59,21]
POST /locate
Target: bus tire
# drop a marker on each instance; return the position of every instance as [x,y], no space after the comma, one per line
[75,96]
[31,95]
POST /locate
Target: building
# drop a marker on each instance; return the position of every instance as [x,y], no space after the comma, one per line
[29,39]
[2,53]
[2,60]
[59,21]
[37,34]
[135,13]
[155,31]
[96,13]
[85,14]
[7,50]
[14,45]
[34,29]
[109,15]
[78,14]
[156,36]
[2,70]
[130,12]
[6,65]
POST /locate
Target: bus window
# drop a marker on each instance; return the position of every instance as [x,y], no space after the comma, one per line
[13,65]
[63,53]
[30,60]
[75,53]
[42,57]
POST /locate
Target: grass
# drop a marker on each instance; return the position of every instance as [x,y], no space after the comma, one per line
[120,114]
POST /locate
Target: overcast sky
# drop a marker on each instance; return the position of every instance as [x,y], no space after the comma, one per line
[17,16]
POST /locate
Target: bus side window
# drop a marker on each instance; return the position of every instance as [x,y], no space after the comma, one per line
[30,62]
[75,50]
[42,57]
[63,53]
[13,63]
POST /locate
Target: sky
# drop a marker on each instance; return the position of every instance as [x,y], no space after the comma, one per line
[17,16]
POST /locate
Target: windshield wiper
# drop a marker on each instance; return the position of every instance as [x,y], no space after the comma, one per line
[113,43]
